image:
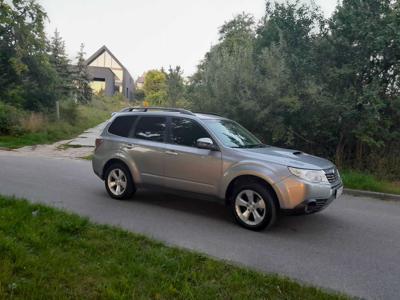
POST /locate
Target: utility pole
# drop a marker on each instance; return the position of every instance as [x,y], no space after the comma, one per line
[58,110]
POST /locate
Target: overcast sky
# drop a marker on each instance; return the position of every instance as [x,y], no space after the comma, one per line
[149,34]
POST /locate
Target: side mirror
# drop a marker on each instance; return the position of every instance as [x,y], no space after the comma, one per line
[206,143]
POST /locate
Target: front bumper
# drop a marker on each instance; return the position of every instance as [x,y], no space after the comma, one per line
[301,196]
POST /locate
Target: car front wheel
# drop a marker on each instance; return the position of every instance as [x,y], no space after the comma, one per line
[253,206]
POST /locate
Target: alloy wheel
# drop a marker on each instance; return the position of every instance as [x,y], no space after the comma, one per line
[117,182]
[250,207]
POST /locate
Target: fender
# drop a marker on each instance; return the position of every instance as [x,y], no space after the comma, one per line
[269,173]
[123,156]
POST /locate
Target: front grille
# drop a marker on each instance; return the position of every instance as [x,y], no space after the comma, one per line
[331,175]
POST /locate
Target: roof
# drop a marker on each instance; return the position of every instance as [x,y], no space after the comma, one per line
[140,79]
[100,52]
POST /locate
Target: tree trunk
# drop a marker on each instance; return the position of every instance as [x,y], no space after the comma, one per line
[339,152]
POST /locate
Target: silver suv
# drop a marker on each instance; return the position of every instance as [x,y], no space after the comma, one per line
[207,154]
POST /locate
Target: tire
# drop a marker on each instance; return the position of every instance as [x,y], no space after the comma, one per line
[253,207]
[118,181]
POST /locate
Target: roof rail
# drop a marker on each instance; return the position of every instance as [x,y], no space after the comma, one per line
[207,113]
[145,109]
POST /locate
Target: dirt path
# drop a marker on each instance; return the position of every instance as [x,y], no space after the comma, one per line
[77,148]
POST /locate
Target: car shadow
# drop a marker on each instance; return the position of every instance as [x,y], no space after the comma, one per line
[193,205]
[286,225]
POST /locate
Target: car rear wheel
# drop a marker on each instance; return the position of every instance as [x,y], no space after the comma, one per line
[253,206]
[118,182]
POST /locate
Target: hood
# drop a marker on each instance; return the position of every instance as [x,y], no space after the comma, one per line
[290,158]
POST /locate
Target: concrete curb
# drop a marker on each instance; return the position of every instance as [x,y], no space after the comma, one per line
[380,196]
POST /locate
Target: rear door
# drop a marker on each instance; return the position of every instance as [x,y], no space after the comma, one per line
[147,148]
[186,166]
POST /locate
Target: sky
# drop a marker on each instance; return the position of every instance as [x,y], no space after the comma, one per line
[150,34]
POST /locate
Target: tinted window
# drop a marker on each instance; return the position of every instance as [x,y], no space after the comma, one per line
[122,125]
[151,128]
[186,132]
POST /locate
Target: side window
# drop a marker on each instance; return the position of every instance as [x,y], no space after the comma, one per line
[122,125]
[186,132]
[151,128]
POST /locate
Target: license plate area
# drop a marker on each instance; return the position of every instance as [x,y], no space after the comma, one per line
[339,192]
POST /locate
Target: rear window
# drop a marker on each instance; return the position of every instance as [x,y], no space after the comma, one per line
[122,125]
[151,128]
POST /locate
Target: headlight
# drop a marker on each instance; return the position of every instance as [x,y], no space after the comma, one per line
[309,175]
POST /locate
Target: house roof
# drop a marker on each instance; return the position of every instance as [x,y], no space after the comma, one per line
[140,79]
[100,52]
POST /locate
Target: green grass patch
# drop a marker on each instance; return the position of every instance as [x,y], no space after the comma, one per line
[74,120]
[361,181]
[49,254]
[88,157]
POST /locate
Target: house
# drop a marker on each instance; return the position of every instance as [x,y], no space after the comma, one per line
[140,82]
[109,75]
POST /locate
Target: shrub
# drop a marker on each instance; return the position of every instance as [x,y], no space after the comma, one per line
[10,118]
[69,111]
[34,122]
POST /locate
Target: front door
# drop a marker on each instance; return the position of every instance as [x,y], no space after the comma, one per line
[186,166]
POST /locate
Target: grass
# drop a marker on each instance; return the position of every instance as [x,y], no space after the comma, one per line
[87,157]
[49,254]
[361,181]
[88,116]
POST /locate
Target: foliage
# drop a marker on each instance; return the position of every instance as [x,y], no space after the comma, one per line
[50,254]
[9,119]
[361,181]
[59,59]
[175,86]
[155,87]
[139,95]
[84,92]
[326,86]
[27,77]
[75,118]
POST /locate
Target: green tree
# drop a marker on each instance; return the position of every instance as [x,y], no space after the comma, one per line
[326,86]
[61,63]
[360,64]
[175,85]
[84,92]
[155,87]
[27,78]
[139,95]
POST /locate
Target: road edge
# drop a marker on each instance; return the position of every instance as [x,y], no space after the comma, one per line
[376,195]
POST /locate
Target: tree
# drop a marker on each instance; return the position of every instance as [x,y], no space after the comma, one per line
[155,87]
[326,86]
[84,92]
[175,85]
[61,63]
[27,78]
[139,95]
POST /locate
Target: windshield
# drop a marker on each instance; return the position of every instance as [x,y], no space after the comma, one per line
[233,135]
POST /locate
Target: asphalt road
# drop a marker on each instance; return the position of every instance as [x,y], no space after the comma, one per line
[353,246]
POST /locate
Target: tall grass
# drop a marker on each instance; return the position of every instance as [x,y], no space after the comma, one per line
[362,181]
[36,128]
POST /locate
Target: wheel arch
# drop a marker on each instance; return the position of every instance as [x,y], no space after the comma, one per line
[244,178]
[121,161]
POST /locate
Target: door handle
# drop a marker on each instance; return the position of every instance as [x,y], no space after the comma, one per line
[128,146]
[171,152]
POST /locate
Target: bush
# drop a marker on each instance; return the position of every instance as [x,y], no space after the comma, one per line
[10,118]
[69,111]
[34,122]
